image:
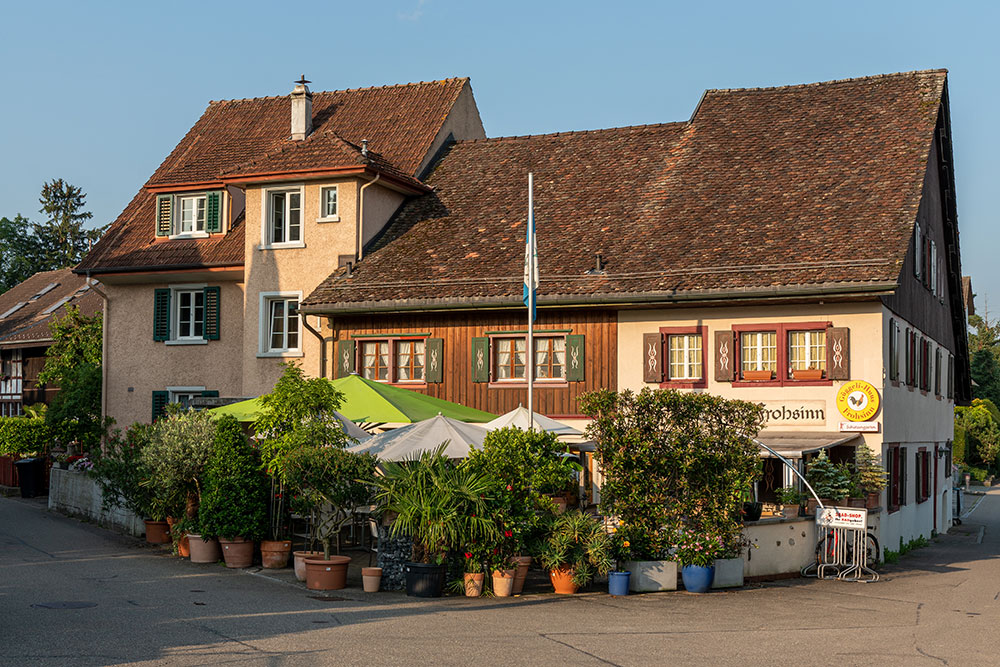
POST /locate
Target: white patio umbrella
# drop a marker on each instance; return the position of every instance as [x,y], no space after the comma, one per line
[519,418]
[408,441]
[352,429]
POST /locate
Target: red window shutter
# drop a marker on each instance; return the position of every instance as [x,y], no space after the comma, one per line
[838,353]
[652,357]
[725,356]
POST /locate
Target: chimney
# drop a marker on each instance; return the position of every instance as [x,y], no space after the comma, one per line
[302,104]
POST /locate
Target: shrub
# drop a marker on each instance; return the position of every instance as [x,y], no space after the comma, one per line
[122,475]
[672,461]
[576,540]
[871,476]
[23,436]
[234,500]
[828,479]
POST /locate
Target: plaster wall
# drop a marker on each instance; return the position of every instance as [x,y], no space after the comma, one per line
[77,494]
[463,122]
[780,547]
[136,365]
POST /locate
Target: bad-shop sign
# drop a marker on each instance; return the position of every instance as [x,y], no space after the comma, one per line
[794,413]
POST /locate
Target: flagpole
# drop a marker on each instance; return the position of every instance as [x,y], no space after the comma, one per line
[531,301]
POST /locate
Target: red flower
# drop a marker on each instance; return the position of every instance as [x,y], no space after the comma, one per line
[509,487]
[508,533]
[496,551]
[468,555]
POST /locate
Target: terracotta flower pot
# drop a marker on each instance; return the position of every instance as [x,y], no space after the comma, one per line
[237,551]
[371,579]
[157,532]
[474,584]
[326,575]
[503,583]
[523,563]
[299,560]
[203,551]
[562,580]
[274,553]
[872,500]
[856,502]
[183,546]
[560,502]
[790,511]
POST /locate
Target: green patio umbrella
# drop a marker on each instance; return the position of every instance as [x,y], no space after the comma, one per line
[370,401]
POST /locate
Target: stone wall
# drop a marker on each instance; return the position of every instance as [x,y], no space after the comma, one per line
[78,494]
[393,552]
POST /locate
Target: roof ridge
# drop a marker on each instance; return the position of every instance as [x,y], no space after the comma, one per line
[869,77]
[514,137]
[344,90]
[292,144]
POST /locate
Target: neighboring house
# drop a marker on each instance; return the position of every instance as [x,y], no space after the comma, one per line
[257,204]
[25,313]
[779,244]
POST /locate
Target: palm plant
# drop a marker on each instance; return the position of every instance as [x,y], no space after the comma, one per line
[577,541]
[439,505]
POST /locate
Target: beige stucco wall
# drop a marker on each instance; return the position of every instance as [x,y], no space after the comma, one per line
[463,122]
[136,365]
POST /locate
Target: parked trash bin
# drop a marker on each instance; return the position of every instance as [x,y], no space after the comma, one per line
[31,476]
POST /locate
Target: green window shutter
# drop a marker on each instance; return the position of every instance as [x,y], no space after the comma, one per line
[213,299]
[481,359]
[345,358]
[164,219]
[160,399]
[434,359]
[574,358]
[210,393]
[213,212]
[161,314]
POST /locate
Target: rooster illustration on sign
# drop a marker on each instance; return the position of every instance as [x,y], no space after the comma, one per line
[857,400]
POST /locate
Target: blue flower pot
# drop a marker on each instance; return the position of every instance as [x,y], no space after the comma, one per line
[697,578]
[618,583]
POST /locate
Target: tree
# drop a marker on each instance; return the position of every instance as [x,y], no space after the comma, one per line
[986,374]
[62,239]
[18,251]
[73,362]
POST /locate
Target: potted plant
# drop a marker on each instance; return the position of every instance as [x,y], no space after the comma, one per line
[473,574]
[371,579]
[789,498]
[298,412]
[575,550]
[696,550]
[122,474]
[234,502]
[871,476]
[441,507]
[752,509]
[830,481]
[618,579]
[329,482]
[729,563]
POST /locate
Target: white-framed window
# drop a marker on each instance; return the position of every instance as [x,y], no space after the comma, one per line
[191,218]
[189,314]
[280,324]
[184,395]
[282,218]
[807,350]
[685,356]
[328,210]
[510,358]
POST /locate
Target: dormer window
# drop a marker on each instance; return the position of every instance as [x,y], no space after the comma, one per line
[192,215]
[189,215]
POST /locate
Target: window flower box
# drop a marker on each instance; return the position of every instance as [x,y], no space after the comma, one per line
[808,374]
[757,376]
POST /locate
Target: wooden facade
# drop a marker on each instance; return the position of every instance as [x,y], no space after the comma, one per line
[457,331]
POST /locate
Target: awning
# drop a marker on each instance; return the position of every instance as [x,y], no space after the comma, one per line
[793,444]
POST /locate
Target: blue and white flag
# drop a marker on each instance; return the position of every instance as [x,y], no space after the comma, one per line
[530,266]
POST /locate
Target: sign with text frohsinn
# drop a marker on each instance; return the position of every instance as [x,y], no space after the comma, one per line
[794,413]
[858,401]
[842,517]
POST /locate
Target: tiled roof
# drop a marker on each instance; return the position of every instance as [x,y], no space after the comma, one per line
[813,185]
[44,291]
[399,122]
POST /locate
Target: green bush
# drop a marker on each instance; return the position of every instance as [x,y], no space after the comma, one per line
[23,435]
[234,500]
[179,447]
[122,475]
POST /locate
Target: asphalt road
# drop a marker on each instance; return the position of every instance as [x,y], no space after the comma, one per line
[940,605]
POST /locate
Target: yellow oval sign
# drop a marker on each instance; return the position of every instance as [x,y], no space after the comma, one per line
[858,401]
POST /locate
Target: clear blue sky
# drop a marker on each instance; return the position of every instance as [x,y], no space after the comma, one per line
[99,93]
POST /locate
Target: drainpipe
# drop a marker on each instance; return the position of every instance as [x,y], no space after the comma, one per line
[322,343]
[104,354]
[361,213]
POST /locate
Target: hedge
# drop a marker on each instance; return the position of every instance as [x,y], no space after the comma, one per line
[23,435]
